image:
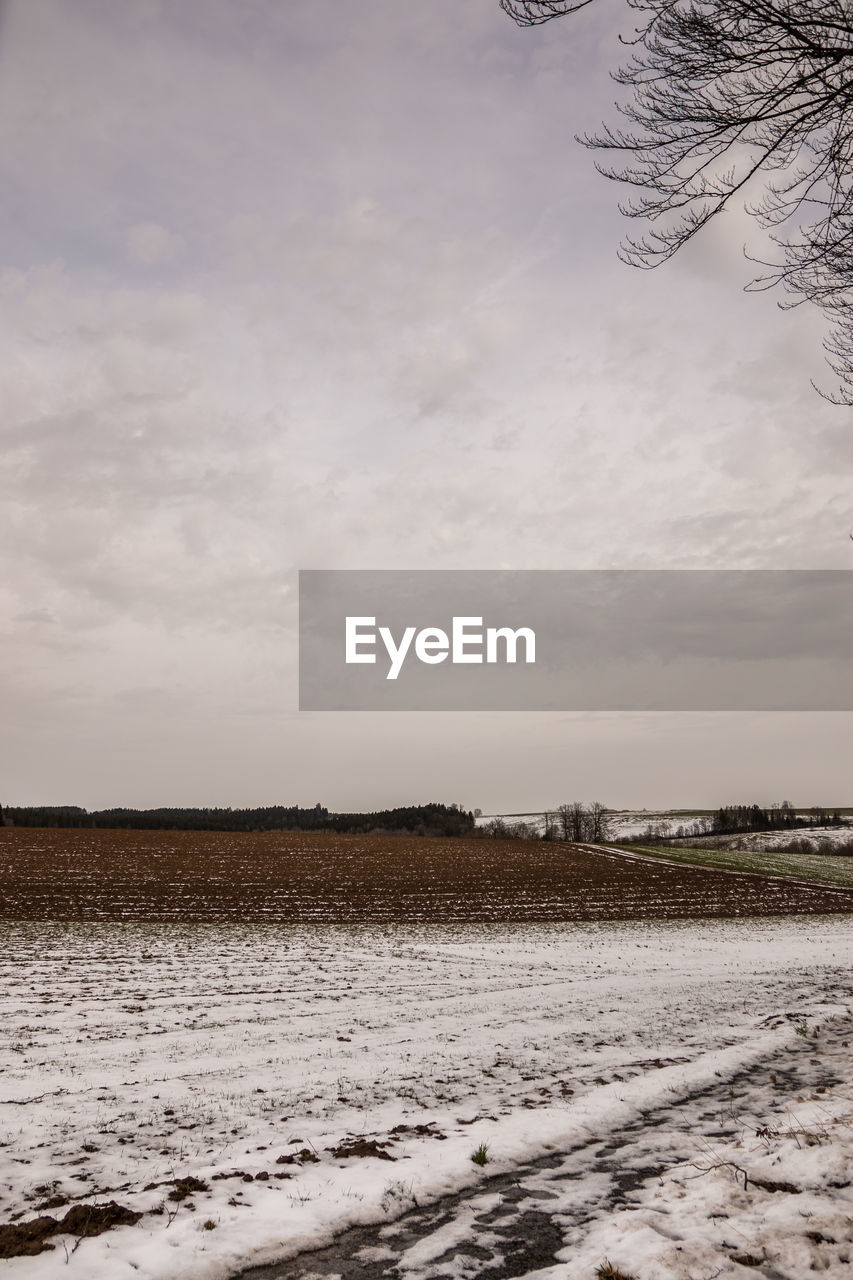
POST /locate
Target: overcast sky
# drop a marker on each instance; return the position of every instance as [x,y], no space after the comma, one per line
[330,285]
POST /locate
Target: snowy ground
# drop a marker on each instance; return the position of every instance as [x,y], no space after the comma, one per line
[629,824]
[135,1056]
[818,837]
[752,1171]
[623,824]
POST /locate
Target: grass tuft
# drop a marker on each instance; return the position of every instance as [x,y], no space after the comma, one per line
[607,1271]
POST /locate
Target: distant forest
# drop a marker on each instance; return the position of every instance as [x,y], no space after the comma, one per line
[421,820]
[751,817]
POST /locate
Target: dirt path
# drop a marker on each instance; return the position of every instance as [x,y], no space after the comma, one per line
[540,1214]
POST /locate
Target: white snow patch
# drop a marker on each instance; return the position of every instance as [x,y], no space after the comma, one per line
[137,1054]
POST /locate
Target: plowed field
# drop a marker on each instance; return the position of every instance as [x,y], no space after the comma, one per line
[297,877]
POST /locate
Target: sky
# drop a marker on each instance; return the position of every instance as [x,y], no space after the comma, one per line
[324,285]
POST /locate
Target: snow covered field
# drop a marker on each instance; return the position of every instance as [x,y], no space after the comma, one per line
[623,824]
[630,824]
[250,1059]
[818,837]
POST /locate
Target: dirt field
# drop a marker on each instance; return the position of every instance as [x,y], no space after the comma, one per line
[214,877]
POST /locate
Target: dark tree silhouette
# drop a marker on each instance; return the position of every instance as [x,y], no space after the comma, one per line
[423,819]
[534,13]
[740,98]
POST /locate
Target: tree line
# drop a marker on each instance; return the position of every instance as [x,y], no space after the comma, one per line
[592,824]
[736,818]
[420,820]
[740,819]
[576,822]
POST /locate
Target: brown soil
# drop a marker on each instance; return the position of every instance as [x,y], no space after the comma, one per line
[183,1188]
[24,1239]
[303,877]
[358,1148]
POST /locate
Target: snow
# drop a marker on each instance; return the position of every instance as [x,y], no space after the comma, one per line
[755,1168]
[761,840]
[136,1054]
[775,1190]
[622,824]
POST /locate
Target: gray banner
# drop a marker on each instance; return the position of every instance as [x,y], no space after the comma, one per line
[568,640]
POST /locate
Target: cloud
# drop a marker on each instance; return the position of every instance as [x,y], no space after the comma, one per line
[151,244]
[293,286]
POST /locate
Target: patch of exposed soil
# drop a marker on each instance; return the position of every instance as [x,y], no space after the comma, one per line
[24,1239]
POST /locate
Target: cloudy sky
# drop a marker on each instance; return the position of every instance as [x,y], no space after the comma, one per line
[330,285]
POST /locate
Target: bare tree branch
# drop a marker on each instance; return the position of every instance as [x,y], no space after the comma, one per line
[531,13]
[730,95]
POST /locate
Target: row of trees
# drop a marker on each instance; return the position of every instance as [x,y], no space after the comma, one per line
[577,822]
[422,820]
[735,818]
[660,831]
[592,824]
[740,819]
